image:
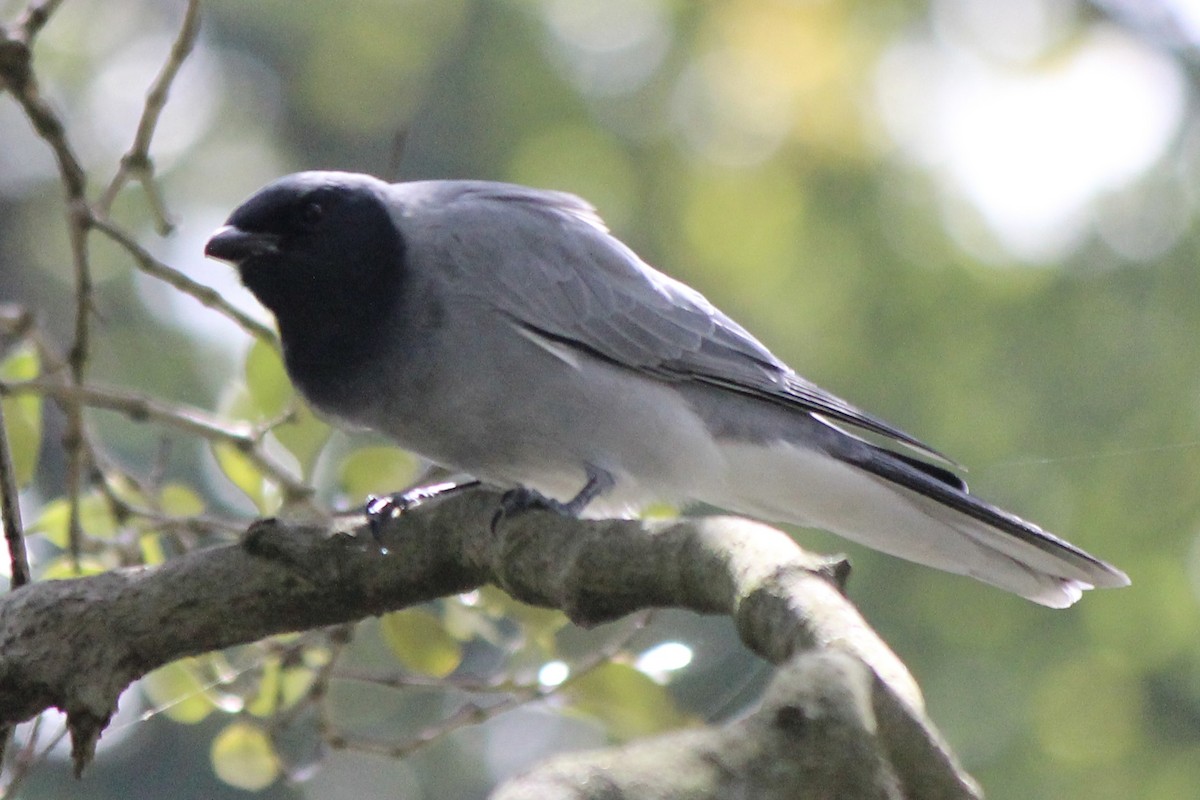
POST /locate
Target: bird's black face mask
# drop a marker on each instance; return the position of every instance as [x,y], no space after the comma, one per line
[323,254]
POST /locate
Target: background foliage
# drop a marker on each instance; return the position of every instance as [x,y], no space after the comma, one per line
[975,218]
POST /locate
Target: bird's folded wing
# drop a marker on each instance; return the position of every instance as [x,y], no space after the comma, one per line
[589,292]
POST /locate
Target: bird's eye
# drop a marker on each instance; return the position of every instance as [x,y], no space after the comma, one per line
[312,215]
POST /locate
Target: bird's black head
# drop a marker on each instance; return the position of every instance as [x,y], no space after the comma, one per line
[321,251]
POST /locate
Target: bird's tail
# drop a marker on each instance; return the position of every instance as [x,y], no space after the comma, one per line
[913,510]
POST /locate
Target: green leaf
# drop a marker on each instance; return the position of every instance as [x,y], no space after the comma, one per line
[659,511]
[152,550]
[265,702]
[304,435]
[628,702]
[420,643]
[297,681]
[95,518]
[269,395]
[245,475]
[279,688]
[243,756]
[376,470]
[180,500]
[269,388]
[53,522]
[22,415]
[466,622]
[62,569]
[539,624]
[124,489]
[237,403]
[178,691]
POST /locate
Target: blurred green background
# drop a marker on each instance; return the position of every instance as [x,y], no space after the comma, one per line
[976,219]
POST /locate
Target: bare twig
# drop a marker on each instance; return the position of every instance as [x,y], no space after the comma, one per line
[247,438]
[25,757]
[35,17]
[30,756]
[136,163]
[199,523]
[470,713]
[77,358]
[205,295]
[15,323]
[108,472]
[16,75]
[10,512]
[137,407]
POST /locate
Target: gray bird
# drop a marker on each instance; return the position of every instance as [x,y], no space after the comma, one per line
[502,331]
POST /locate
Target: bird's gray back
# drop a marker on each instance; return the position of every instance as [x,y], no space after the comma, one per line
[544,262]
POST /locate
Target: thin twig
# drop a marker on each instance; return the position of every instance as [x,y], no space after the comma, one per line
[16,324]
[77,359]
[471,713]
[137,407]
[205,295]
[245,437]
[29,756]
[108,471]
[17,75]
[337,638]
[21,760]
[35,17]
[136,163]
[10,512]
[6,739]
[405,680]
[198,523]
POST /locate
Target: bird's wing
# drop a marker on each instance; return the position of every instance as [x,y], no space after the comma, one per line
[553,268]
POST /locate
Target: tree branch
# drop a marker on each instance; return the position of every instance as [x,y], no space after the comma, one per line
[247,438]
[76,645]
[17,76]
[35,17]
[827,727]
[136,163]
[205,295]
[10,513]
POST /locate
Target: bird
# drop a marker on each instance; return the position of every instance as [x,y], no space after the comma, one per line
[502,331]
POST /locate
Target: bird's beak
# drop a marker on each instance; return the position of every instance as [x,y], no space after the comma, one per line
[234,245]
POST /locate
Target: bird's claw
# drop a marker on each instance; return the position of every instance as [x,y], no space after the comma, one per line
[379,510]
[516,501]
[520,500]
[389,506]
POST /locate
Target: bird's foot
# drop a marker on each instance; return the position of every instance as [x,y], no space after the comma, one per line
[389,506]
[518,501]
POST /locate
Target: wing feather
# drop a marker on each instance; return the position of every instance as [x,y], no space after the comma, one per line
[587,290]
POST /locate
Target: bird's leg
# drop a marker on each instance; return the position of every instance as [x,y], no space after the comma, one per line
[522,499]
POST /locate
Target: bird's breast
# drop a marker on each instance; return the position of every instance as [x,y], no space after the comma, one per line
[511,412]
